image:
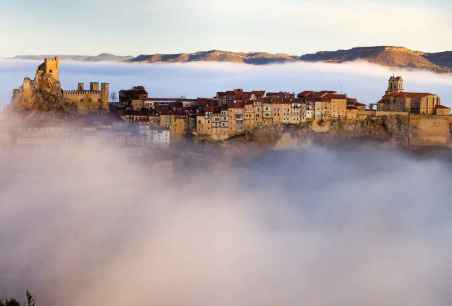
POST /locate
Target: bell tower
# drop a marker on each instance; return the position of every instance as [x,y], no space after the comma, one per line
[395,85]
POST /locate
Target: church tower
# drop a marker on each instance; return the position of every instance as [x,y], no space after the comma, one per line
[395,85]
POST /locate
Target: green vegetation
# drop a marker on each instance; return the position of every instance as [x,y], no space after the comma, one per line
[13,302]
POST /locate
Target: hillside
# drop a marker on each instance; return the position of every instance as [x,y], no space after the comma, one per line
[388,56]
[257,58]
[104,57]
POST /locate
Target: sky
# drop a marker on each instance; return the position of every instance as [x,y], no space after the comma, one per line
[166,26]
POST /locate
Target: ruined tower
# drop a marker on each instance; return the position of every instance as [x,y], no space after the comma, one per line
[94,86]
[105,95]
[51,66]
[395,85]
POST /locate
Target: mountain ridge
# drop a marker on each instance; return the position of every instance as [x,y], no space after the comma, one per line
[388,56]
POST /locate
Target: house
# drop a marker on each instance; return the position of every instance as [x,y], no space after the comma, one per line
[236,119]
[323,105]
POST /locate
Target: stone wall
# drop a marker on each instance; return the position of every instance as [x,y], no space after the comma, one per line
[412,131]
[430,130]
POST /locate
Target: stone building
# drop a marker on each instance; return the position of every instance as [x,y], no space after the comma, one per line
[398,100]
[250,116]
[267,111]
[323,105]
[45,92]
[135,98]
[281,104]
[213,122]
[236,119]
[92,99]
[296,112]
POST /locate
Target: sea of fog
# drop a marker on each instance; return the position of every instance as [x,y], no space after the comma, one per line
[356,224]
[361,80]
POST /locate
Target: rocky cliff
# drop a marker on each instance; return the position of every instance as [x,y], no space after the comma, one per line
[387,56]
[43,95]
[256,58]
[407,131]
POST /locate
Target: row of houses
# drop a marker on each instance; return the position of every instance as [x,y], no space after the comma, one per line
[236,112]
[56,133]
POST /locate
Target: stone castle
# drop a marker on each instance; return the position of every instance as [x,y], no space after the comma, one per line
[47,83]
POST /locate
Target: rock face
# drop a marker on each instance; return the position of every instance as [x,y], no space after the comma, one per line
[407,131]
[43,95]
[430,131]
[387,56]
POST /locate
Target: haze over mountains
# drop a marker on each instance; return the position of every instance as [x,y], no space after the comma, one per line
[388,56]
[104,57]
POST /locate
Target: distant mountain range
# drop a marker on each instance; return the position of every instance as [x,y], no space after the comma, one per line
[104,57]
[388,56]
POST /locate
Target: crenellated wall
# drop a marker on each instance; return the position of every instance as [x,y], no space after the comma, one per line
[76,92]
[47,81]
[95,98]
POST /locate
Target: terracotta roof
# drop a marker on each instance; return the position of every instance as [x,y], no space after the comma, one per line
[236,93]
[259,93]
[281,101]
[443,107]
[354,102]
[236,105]
[281,94]
[314,95]
[330,96]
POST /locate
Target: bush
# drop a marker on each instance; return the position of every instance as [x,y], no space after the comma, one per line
[9,302]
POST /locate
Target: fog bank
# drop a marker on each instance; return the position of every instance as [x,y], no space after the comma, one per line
[362,80]
[353,225]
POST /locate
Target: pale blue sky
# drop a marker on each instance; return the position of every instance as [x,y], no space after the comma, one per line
[148,26]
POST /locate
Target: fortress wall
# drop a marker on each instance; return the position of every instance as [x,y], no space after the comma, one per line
[76,92]
[430,130]
[389,113]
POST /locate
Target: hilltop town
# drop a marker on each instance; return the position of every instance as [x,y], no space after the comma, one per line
[413,118]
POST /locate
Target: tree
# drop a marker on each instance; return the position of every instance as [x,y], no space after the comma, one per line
[9,302]
[30,299]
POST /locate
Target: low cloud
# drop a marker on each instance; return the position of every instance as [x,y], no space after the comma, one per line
[346,225]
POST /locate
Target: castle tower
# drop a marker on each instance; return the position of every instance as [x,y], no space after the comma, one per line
[27,88]
[105,95]
[94,86]
[395,85]
[51,66]
[81,86]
